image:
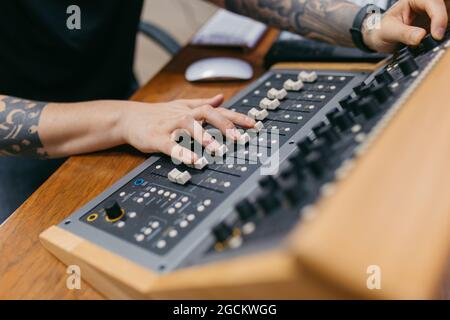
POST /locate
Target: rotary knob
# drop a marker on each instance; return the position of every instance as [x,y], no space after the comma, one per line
[246,210]
[343,120]
[294,192]
[384,77]
[408,65]
[222,232]
[113,210]
[350,104]
[382,92]
[328,133]
[362,89]
[317,164]
[429,43]
[369,107]
[268,183]
[305,145]
[268,202]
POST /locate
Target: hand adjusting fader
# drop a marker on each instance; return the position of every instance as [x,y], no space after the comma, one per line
[165,216]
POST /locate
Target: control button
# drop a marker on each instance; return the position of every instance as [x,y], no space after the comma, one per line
[201,208]
[113,211]
[384,77]
[190,217]
[382,92]
[184,199]
[171,211]
[408,65]
[429,43]
[122,194]
[139,182]
[173,233]
[132,215]
[120,224]
[207,202]
[268,183]
[155,225]
[148,231]
[369,107]
[140,237]
[140,200]
[161,244]
[184,224]
[268,202]
[342,120]
[222,232]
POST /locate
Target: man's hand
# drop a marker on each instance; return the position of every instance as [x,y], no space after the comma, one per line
[150,127]
[407,22]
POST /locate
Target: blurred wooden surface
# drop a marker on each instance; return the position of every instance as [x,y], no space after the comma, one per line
[27,270]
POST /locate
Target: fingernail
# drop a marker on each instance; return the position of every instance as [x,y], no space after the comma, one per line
[440,33]
[235,134]
[416,36]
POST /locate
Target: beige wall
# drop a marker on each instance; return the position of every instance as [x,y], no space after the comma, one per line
[181,18]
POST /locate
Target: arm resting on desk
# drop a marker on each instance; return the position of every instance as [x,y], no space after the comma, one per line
[42,130]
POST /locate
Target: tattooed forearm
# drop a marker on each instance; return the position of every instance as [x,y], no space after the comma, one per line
[326,20]
[19,124]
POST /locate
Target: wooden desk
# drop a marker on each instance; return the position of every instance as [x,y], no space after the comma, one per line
[27,270]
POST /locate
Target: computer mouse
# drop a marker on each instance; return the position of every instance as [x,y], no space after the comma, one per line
[219,69]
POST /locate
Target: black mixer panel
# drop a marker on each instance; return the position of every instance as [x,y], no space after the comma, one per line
[156,214]
[311,125]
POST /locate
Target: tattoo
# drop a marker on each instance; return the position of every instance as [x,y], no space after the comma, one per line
[325,20]
[19,124]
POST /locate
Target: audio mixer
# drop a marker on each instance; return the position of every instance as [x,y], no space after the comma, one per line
[247,196]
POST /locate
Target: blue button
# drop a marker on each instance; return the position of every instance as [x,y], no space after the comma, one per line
[139,182]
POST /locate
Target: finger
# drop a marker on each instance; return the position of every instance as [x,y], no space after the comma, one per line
[237,118]
[437,11]
[394,30]
[199,134]
[210,115]
[215,101]
[178,153]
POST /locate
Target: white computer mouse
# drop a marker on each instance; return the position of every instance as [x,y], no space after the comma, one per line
[219,69]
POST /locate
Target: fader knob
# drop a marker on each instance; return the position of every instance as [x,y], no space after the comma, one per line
[384,77]
[113,211]
[246,210]
[408,65]
[343,120]
[382,92]
[429,43]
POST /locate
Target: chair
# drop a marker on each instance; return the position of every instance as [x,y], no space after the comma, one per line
[160,37]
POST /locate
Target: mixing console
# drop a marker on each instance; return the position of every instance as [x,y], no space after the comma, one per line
[248,195]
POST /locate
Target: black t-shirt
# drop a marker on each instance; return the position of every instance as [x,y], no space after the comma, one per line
[42,59]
